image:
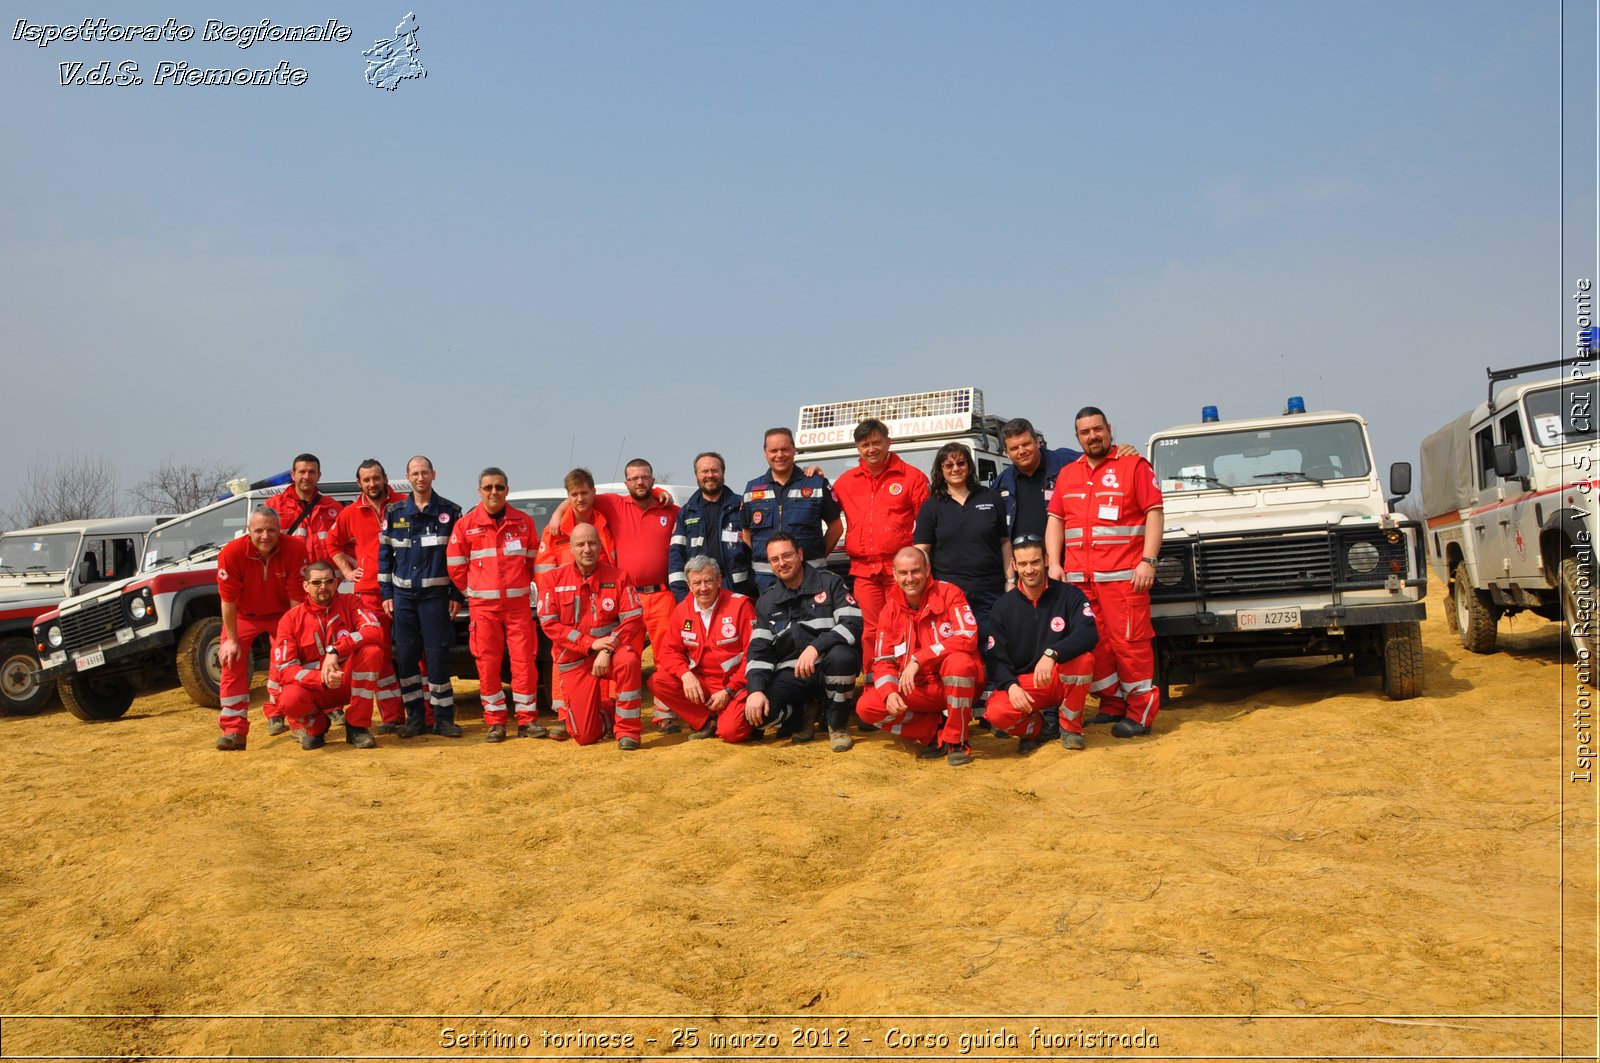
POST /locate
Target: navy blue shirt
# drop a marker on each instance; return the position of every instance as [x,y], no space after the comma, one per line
[965,539]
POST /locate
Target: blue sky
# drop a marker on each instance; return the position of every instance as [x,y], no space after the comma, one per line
[604,229]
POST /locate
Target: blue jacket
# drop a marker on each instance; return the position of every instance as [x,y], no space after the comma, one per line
[1006,482]
[711,529]
[802,507]
[412,549]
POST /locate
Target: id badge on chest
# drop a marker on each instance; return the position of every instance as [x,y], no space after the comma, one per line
[1110,511]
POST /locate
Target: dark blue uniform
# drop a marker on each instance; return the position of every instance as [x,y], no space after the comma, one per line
[1026,501]
[711,529]
[803,507]
[413,574]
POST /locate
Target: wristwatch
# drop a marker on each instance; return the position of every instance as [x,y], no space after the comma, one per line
[1151,561]
[1052,654]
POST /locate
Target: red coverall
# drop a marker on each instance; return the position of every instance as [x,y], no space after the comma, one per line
[491,562]
[262,589]
[1102,512]
[880,514]
[643,537]
[555,550]
[355,533]
[942,636]
[317,527]
[304,637]
[715,653]
[575,610]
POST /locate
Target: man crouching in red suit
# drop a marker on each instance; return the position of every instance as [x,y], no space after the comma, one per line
[927,663]
[700,663]
[328,654]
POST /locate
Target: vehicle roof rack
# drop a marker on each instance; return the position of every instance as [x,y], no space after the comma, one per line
[1497,375]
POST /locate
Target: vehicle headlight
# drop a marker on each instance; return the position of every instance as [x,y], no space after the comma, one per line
[54,637]
[1362,557]
[139,608]
[1169,570]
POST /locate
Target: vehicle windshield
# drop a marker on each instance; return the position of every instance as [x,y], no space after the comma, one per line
[210,529]
[1561,416]
[1261,457]
[23,554]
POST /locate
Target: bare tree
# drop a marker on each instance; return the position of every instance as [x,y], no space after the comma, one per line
[178,487]
[75,486]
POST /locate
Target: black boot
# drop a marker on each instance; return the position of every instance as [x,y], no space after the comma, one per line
[444,721]
[415,722]
[359,737]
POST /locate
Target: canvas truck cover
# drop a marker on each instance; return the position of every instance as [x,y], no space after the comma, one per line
[1447,485]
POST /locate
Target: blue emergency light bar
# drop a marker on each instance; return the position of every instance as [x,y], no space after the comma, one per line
[1297,404]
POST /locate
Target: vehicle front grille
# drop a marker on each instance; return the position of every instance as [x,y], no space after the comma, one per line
[92,625]
[1285,562]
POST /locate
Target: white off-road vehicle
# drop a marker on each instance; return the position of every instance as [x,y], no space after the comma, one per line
[160,628]
[39,567]
[1509,490]
[1280,543]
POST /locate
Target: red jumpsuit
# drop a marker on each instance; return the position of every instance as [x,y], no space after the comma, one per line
[880,514]
[305,634]
[555,550]
[355,534]
[575,610]
[316,529]
[491,562]
[942,636]
[1102,512]
[262,589]
[715,653]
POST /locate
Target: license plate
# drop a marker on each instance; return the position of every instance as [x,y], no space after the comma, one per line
[90,660]
[1256,619]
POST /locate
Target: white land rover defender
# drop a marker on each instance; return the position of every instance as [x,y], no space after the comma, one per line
[39,567]
[1509,489]
[1280,543]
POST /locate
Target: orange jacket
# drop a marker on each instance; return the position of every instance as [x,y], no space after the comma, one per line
[262,586]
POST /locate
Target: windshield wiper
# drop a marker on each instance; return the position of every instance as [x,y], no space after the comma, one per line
[1196,478]
[1287,475]
[202,548]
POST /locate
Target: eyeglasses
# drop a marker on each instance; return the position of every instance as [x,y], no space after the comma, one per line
[321,582]
[493,487]
[958,463]
[1025,540]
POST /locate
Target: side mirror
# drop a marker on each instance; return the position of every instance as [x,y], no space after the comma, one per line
[87,572]
[1400,479]
[1505,461]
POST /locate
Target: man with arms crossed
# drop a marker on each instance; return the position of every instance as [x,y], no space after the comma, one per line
[1105,536]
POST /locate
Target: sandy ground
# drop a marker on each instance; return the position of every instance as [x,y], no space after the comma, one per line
[1292,866]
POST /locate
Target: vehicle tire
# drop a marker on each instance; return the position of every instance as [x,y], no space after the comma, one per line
[199,670]
[1476,619]
[21,691]
[95,697]
[1402,660]
[1578,590]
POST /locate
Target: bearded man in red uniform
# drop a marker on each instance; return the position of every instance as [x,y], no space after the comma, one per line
[1104,535]
[326,656]
[355,543]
